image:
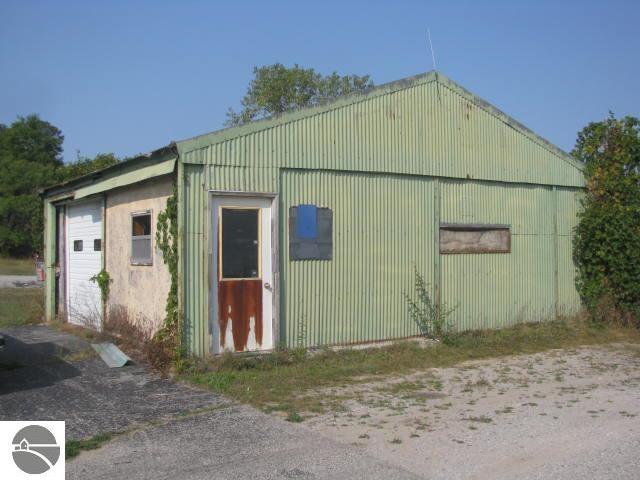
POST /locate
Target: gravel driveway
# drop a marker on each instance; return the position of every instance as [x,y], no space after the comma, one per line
[563,414]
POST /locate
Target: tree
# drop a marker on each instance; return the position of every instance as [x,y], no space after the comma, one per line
[30,156]
[30,159]
[276,89]
[607,238]
[84,165]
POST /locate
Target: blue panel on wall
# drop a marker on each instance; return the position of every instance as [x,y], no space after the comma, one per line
[317,222]
[307,222]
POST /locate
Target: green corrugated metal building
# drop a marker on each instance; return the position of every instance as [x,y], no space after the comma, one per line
[306,229]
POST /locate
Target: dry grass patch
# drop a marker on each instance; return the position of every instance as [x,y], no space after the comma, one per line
[288,380]
[20,306]
[17,266]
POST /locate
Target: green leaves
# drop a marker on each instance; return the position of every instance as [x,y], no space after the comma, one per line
[277,89]
[30,159]
[102,279]
[607,238]
[168,339]
[431,318]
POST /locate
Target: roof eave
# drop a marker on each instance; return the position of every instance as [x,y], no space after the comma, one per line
[130,164]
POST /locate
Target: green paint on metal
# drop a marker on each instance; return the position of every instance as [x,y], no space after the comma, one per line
[383,227]
[134,176]
[204,141]
[128,165]
[392,164]
[49,260]
[417,130]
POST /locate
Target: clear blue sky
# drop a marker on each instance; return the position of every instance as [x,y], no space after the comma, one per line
[129,77]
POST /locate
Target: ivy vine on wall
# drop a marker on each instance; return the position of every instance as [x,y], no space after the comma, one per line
[169,337]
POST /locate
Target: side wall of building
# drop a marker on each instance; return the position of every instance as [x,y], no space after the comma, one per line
[384,226]
[392,167]
[535,281]
[137,292]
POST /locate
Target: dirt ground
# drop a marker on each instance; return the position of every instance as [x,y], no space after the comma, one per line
[559,414]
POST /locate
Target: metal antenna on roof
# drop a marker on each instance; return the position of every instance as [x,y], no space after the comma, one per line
[433,55]
[433,59]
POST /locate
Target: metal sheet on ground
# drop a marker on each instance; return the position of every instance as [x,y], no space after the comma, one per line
[112,355]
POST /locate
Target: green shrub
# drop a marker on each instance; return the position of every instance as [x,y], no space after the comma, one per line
[607,238]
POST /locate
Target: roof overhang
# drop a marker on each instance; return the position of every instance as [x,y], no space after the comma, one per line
[143,167]
[138,175]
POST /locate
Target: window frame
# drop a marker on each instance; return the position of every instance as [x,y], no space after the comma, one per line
[222,278]
[474,227]
[141,262]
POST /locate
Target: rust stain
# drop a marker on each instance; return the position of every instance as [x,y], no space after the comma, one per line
[238,302]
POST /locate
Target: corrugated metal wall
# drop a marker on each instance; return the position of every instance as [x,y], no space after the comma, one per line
[390,148]
[424,129]
[568,206]
[383,227]
[495,290]
[199,179]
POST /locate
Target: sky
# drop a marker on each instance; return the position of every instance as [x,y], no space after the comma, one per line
[128,77]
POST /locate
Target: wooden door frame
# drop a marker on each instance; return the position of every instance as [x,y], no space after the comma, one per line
[212,280]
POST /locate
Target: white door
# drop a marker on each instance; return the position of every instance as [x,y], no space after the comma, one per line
[242,266]
[84,260]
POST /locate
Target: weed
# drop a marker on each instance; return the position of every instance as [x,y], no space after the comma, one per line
[294,417]
[74,447]
[402,387]
[480,419]
[431,318]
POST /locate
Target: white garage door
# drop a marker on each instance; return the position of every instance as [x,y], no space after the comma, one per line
[84,260]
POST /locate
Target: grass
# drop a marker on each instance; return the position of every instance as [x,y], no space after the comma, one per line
[74,447]
[294,417]
[482,419]
[17,266]
[288,381]
[19,306]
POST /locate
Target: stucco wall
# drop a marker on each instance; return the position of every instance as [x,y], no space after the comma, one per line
[138,292]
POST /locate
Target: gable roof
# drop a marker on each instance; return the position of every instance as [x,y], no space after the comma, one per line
[222,135]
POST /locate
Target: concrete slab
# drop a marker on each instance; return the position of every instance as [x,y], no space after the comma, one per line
[19,281]
[173,431]
[231,443]
[50,375]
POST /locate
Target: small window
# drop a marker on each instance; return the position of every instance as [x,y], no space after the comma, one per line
[240,243]
[310,233]
[97,244]
[474,238]
[141,251]
[77,245]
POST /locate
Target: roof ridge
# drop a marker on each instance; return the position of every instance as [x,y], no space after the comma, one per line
[218,136]
[306,112]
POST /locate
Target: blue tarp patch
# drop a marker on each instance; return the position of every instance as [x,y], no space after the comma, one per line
[307,222]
